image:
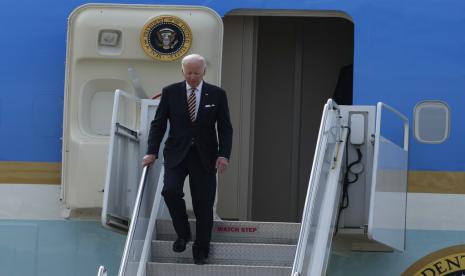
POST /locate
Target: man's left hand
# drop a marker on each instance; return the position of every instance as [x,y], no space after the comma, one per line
[221,164]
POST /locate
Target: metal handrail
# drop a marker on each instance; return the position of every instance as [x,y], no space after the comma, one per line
[135,214]
[326,220]
[311,190]
[151,227]
[102,271]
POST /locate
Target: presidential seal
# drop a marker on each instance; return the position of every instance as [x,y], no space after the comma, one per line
[449,261]
[166,38]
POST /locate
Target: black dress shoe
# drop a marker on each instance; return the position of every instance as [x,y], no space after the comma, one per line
[200,254]
[180,244]
[200,261]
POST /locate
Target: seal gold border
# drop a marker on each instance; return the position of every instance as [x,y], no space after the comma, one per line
[436,260]
[169,19]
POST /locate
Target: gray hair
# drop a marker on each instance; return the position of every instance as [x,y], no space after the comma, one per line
[194,57]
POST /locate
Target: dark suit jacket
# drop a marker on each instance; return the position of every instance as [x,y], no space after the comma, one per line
[213,109]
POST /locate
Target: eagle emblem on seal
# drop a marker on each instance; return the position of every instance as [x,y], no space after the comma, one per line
[167,38]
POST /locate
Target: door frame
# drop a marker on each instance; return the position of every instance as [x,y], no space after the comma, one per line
[247,110]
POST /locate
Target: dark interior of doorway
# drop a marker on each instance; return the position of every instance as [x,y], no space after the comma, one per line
[300,63]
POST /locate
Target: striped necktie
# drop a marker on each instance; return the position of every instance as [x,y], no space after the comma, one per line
[191,104]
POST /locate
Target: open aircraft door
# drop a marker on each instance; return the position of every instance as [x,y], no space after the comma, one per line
[105,41]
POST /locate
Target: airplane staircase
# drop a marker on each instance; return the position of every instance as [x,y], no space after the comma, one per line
[264,248]
[237,248]
[244,247]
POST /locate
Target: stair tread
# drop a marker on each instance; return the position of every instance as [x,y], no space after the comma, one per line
[170,269]
[229,253]
[217,265]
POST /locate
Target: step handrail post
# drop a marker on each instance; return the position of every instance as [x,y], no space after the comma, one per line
[135,215]
[102,271]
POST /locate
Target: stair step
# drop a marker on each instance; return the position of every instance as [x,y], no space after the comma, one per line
[170,269]
[240,231]
[229,254]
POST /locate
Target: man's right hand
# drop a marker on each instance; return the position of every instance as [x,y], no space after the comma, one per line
[148,159]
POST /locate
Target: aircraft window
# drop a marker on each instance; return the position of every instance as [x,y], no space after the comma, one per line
[431,122]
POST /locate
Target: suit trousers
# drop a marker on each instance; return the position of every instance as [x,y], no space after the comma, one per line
[203,188]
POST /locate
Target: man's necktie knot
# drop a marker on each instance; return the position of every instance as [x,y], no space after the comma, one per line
[191,104]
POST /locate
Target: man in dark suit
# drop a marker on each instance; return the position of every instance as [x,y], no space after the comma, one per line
[198,144]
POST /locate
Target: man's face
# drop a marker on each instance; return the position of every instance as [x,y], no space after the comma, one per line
[193,73]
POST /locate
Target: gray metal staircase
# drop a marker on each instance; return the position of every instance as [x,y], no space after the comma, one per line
[237,248]
[261,248]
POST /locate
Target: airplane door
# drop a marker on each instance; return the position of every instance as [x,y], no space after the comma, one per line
[388,201]
[104,41]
